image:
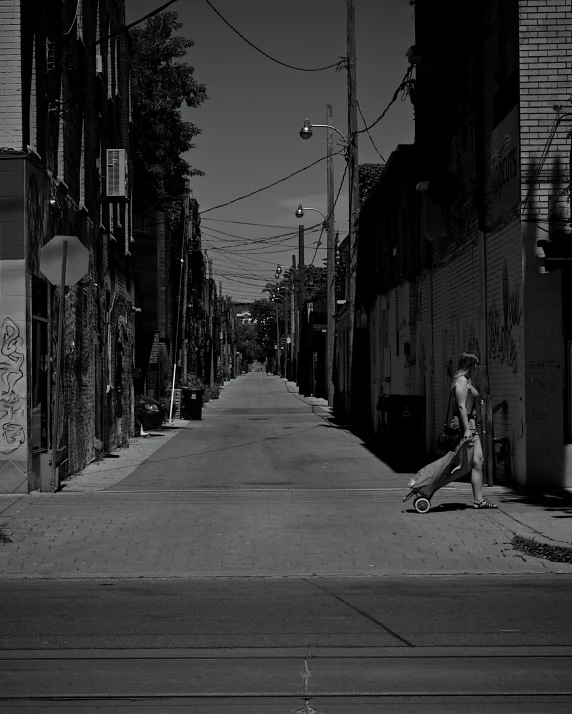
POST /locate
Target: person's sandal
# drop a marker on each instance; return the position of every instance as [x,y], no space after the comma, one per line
[484,504]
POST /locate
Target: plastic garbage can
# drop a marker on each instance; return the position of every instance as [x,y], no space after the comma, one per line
[192,403]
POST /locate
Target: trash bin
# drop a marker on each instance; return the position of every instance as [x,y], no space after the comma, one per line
[192,403]
[403,422]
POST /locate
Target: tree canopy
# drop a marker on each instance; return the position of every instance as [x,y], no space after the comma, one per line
[369,175]
[161,83]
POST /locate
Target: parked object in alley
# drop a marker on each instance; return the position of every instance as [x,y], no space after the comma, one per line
[452,467]
[192,403]
[149,411]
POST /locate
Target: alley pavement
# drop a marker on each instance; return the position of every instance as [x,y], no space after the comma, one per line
[265,485]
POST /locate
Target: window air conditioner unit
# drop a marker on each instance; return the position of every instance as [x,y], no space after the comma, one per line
[116,173]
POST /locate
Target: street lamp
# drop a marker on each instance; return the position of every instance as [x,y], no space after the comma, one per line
[306,133]
[300,213]
[276,299]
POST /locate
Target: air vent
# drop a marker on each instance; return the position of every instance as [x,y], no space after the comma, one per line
[116,173]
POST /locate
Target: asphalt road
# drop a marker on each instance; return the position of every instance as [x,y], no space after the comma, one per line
[261,561]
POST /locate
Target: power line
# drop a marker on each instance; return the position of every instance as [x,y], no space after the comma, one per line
[331,212]
[74,19]
[403,86]
[245,223]
[284,64]
[240,198]
[370,136]
[123,29]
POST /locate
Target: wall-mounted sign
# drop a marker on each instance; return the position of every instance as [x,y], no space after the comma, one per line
[505,166]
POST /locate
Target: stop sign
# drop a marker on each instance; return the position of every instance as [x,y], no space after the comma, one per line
[77,260]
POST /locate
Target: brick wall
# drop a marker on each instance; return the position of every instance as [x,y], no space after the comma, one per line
[99,330]
[11,134]
[545,80]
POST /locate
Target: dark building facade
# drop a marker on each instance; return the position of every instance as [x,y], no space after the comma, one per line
[64,170]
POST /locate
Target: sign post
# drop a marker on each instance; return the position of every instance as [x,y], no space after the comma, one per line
[64,260]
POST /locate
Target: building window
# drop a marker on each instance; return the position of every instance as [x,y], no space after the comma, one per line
[79,19]
[109,63]
[60,172]
[33,101]
[82,165]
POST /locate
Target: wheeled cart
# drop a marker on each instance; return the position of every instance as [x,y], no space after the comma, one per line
[451,467]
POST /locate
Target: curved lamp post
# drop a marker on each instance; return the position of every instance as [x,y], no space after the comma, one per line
[276,299]
[300,213]
[306,133]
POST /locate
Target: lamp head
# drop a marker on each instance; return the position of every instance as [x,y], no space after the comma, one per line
[299,211]
[306,130]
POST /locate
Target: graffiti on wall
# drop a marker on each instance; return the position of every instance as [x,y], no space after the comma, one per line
[543,388]
[504,346]
[12,403]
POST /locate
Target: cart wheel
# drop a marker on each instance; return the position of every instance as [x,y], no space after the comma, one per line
[421,504]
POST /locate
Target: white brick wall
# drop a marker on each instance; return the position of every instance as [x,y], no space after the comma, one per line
[11,133]
[545,80]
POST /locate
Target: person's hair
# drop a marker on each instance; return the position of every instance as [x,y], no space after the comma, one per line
[467,362]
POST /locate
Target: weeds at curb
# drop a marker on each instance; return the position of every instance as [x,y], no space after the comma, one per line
[4,538]
[555,553]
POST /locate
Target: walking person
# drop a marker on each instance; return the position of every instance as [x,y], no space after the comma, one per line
[465,397]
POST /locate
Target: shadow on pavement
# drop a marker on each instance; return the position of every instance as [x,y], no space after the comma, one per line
[558,503]
[440,508]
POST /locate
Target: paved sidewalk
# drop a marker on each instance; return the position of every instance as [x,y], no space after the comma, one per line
[545,518]
[192,507]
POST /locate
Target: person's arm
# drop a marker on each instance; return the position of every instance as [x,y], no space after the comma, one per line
[461,391]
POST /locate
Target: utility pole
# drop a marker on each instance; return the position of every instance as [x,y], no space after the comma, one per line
[233,344]
[285,307]
[353,187]
[330,263]
[301,376]
[211,323]
[277,339]
[221,303]
[294,330]
[185,259]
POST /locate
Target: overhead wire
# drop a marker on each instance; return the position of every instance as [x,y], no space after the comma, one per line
[403,86]
[74,19]
[284,64]
[244,223]
[331,213]
[370,136]
[264,188]
[125,28]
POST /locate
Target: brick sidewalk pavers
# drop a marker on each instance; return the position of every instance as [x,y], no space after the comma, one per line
[353,524]
[254,533]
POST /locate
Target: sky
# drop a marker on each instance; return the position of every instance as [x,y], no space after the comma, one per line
[255,109]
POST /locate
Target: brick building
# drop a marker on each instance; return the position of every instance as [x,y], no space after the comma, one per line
[65,103]
[492,90]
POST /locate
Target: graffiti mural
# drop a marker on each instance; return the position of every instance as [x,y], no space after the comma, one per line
[12,403]
[504,347]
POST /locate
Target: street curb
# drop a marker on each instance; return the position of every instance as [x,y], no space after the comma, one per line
[295,576]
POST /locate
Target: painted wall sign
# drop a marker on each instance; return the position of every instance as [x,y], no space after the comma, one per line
[505,166]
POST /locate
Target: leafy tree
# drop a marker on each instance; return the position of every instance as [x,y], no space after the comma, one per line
[263,314]
[246,343]
[161,82]
[369,175]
